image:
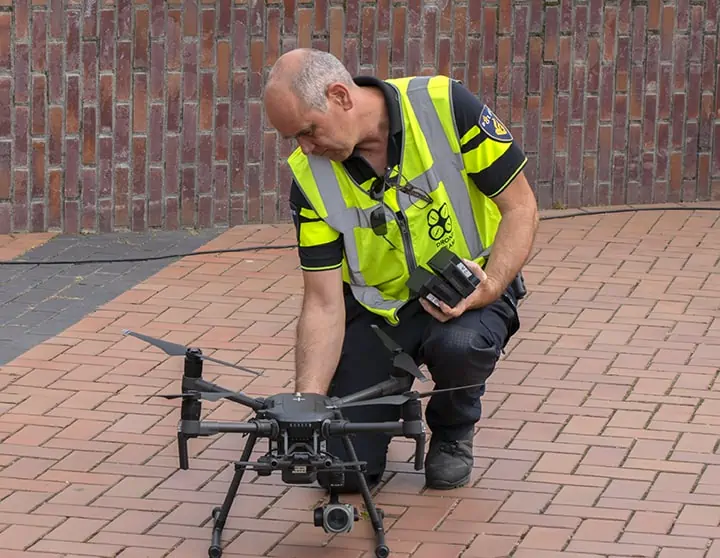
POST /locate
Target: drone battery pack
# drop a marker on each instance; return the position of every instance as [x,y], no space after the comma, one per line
[451,268]
[427,285]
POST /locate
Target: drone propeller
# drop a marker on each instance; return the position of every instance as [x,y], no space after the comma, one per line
[175,349]
[207,395]
[402,360]
[401,398]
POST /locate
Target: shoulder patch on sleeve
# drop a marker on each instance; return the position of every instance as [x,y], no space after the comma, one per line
[493,126]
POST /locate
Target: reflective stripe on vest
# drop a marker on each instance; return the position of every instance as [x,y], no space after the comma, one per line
[329,189]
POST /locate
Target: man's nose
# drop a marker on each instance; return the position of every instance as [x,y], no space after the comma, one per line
[306,145]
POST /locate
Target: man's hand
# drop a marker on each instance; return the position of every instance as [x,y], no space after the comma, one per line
[485,293]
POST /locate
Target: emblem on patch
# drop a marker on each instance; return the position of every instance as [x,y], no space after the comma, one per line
[493,126]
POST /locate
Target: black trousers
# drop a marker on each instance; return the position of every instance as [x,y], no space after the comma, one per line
[462,351]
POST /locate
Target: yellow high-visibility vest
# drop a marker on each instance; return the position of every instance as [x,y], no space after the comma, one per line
[460,217]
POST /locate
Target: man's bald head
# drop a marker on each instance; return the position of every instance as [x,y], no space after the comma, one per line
[307,73]
[311,97]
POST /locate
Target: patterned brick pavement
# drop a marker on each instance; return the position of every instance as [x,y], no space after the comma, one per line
[599,439]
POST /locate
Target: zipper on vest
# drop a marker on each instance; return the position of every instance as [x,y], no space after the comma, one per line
[407,241]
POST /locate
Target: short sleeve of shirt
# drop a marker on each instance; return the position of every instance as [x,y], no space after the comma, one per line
[320,247]
[492,157]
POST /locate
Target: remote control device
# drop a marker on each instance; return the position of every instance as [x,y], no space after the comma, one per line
[451,268]
[427,285]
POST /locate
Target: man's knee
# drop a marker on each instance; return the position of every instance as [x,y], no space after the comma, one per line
[462,354]
[468,348]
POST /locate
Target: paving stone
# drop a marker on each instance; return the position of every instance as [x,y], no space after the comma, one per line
[596,441]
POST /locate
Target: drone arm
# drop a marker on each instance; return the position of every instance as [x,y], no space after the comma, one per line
[195,428]
[344,427]
[198,384]
[390,386]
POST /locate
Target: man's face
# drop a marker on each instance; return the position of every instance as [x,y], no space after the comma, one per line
[329,133]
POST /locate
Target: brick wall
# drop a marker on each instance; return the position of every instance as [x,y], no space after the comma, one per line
[131,114]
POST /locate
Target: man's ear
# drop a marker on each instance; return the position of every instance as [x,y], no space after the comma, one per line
[340,95]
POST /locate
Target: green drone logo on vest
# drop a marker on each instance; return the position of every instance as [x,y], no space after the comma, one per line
[440,226]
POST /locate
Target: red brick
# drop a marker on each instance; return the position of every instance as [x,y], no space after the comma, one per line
[255,117]
[207,34]
[157,137]
[89,125]
[257,57]
[39,42]
[89,68]
[367,50]
[545,538]
[22,74]
[38,168]
[488,546]
[711,11]
[189,143]
[139,150]
[141,54]
[552,25]
[5,166]
[39,109]
[75,529]
[204,163]
[157,71]
[5,52]
[173,39]
[20,537]
[121,196]
[107,40]
[124,18]
[206,101]
[5,107]
[55,198]
[431,550]
[56,78]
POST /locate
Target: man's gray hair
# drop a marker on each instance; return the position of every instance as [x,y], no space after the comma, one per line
[310,79]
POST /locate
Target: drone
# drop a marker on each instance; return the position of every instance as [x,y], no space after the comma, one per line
[297,427]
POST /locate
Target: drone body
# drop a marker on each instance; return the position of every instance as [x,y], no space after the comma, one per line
[298,446]
[297,427]
[300,409]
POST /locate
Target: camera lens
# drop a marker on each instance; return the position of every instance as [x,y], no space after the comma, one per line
[337,519]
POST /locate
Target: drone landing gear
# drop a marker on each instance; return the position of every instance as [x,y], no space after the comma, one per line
[220,514]
[376,515]
[334,517]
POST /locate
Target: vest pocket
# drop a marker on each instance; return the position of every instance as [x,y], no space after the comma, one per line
[381,259]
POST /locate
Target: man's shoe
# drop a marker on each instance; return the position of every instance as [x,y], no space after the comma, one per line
[448,464]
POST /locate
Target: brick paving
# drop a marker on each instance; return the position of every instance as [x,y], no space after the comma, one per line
[599,439]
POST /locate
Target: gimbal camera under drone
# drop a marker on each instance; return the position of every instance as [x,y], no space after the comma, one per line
[297,426]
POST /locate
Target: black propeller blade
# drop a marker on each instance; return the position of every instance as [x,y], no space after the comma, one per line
[207,395]
[175,349]
[400,398]
[402,360]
